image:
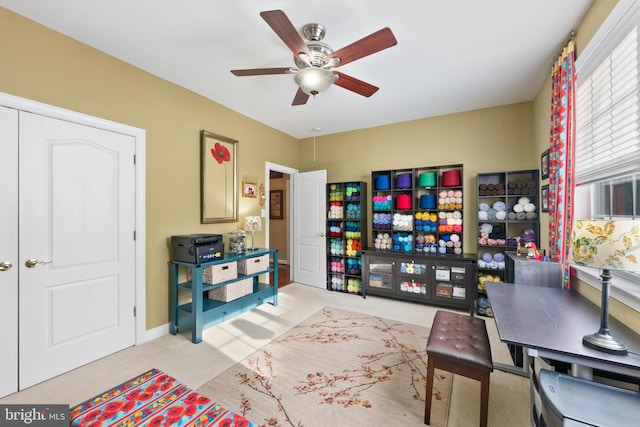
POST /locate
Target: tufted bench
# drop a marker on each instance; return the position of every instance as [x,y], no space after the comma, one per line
[459,344]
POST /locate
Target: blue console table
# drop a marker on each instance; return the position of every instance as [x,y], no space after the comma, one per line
[201,312]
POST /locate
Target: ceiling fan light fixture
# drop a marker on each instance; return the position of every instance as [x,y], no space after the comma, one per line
[314,80]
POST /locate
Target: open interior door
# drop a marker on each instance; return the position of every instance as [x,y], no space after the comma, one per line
[310,249]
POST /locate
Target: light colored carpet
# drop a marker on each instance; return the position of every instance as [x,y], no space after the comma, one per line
[336,368]
[229,342]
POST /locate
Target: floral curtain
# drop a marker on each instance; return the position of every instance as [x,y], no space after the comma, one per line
[561,157]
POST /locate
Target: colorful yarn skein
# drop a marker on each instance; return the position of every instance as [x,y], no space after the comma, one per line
[354,266]
[353,211]
[352,230]
[382,221]
[352,191]
[402,222]
[383,241]
[353,247]
[336,265]
[335,192]
[337,283]
[335,229]
[335,210]
[403,242]
[382,203]
[354,286]
[336,247]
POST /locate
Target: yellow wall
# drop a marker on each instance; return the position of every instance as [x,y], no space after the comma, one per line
[42,65]
[487,140]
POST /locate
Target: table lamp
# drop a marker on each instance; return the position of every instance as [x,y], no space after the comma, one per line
[608,245]
[252,224]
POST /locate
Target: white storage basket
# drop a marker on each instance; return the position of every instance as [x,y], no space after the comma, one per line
[253,265]
[218,273]
[232,291]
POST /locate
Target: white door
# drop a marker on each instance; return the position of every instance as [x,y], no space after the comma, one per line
[77,249]
[8,250]
[310,249]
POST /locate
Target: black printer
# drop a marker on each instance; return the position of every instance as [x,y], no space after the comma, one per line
[197,248]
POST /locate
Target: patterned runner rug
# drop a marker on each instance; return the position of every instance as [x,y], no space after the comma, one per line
[337,368]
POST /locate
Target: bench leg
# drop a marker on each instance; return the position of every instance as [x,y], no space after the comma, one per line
[431,364]
[484,399]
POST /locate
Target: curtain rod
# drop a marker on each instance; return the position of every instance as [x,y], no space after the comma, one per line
[572,36]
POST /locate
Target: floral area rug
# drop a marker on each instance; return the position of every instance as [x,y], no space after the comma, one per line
[337,368]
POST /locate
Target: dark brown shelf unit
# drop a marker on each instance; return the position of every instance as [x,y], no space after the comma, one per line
[418,210]
[498,233]
[346,235]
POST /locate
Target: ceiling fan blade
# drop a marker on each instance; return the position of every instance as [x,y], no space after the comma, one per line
[283,27]
[380,40]
[262,71]
[354,85]
[301,98]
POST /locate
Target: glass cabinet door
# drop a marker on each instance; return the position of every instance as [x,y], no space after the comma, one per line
[450,282]
[381,273]
[412,277]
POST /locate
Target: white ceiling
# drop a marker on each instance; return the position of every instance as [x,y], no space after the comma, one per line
[451,56]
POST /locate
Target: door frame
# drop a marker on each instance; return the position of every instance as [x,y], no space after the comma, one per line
[139,135]
[288,203]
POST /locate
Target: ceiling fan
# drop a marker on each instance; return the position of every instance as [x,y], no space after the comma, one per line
[314,60]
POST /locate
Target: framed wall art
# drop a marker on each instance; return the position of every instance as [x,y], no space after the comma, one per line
[276,204]
[249,189]
[544,198]
[544,165]
[218,184]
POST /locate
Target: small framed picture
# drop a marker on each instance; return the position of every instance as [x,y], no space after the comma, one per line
[544,165]
[276,204]
[544,198]
[249,189]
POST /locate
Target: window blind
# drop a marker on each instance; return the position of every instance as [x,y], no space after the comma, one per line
[608,114]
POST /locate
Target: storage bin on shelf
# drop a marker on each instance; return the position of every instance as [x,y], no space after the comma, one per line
[231,291]
[253,265]
[218,273]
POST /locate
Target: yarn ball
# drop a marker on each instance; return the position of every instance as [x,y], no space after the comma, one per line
[523,200]
[483,207]
[498,257]
[499,206]
[486,228]
[529,207]
[487,257]
[501,215]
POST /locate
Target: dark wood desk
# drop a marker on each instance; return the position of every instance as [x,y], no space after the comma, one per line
[551,322]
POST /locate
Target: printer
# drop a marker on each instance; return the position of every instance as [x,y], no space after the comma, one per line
[197,248]
[570,401]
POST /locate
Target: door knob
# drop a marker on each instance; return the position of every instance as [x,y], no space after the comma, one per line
[5,266]
[321,234]
[32,263]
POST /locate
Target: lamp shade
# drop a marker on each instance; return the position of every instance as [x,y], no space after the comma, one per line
[252,223]
[314,80]
[613,245]
[608,245]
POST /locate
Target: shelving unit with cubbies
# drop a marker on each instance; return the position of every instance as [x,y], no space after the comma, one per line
[418,210]
[346,235]
[508,212]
